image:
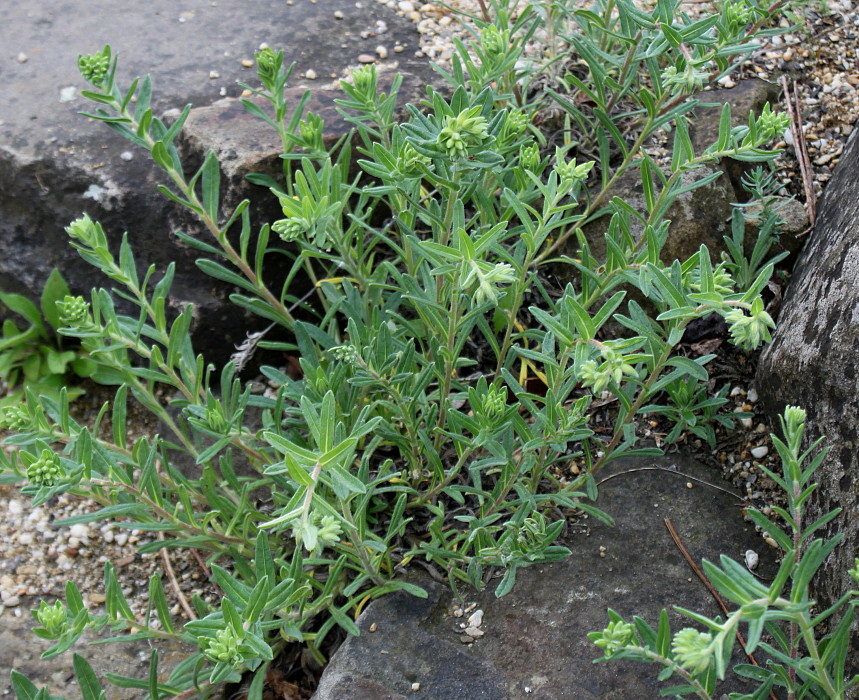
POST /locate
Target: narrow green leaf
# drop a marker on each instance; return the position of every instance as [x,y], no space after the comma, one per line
[87,680]
[211,185]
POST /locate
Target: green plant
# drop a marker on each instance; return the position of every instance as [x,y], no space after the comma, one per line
[761,186]
[693,411]
[34,356]
[431,318]
[781,618]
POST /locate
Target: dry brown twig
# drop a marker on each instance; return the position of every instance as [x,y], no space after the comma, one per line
[709,586]
[800,149]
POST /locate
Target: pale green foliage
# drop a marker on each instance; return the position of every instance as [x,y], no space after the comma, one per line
[796,659]
[433,251]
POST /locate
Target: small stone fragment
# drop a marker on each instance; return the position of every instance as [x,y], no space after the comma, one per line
[751,559]
[21,57]
[338,14]
[12,601]
[247,63]
[760,451]
[381,52]
[474,632]
[213,74]
[310,74]
[475,619]
[416,687]
[366,58]
[688,484]
[374,627]
[405,6]
[398,49]
[465,639]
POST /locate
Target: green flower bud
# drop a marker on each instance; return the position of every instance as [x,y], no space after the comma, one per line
[467,129]
[83,229]
[290,229]
[364,79]
[224,647]
[738,15]
[346,353]
[16,418]
[494,42]
[569,173]
[409,161]
[689,80]
[494,401]
[614,637]
[95,66]
[47,470]
[329,529]
[53,618]
[269,64]
[310,130]
[794,419]
[771,124]
[748,332]
[74,311]
[693,650]
[529,157]
[517,122]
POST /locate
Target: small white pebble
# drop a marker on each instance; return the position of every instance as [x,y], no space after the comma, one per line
[80,530]
[474,632]
[214,74]
[405,6]
[338,14]
[67,94]
[247,63]
[751,559]
[747,423]
[416,687]
[381,52]
[12,601]
[121,539]
[475,619]
[366,58]
[752,396]
[21,57]
[760,451]
[310,74]
[126,155]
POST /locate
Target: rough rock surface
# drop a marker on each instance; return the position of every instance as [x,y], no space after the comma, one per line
[55,164]
[534,642]
[812,363]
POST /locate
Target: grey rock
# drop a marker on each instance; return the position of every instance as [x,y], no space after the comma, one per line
[747,96]
[535,642]
[700,216]
[56,164]
[812,363]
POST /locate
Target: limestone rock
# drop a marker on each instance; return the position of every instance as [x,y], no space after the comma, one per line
[534,642]
[812,363]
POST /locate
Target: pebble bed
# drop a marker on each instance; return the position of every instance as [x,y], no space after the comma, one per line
[36,556]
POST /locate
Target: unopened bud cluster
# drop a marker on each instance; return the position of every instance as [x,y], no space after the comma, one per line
[94,67]
[47,470]
[53,618]
[467,129]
